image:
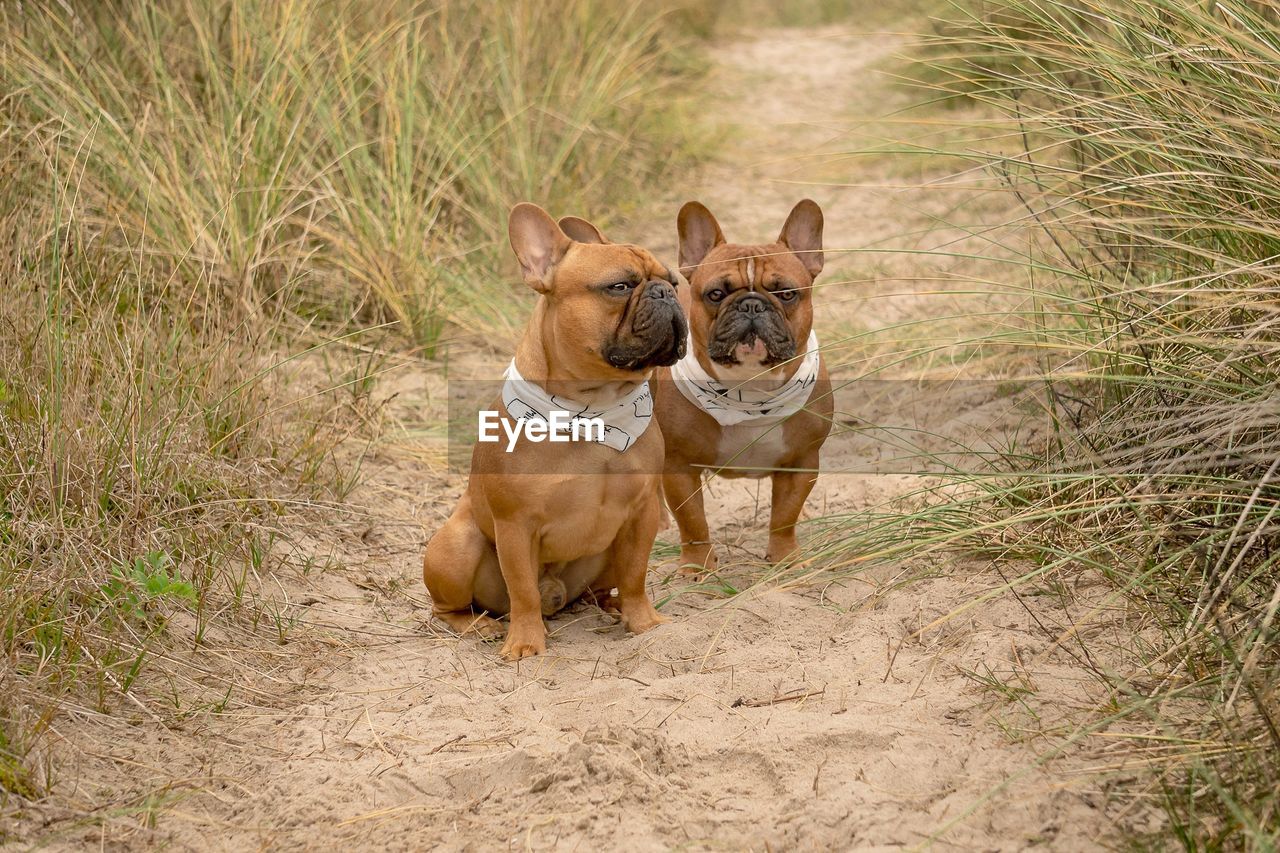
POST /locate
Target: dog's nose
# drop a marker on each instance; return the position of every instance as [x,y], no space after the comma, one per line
[661,290]
[752,303]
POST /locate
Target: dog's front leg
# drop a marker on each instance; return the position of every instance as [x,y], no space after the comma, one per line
[790,490]
[518,560]
[682,487]
[630,559]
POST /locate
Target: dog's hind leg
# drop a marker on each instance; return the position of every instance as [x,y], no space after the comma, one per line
[455,556]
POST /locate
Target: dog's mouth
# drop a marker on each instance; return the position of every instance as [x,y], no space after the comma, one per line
[756,335]
[652,331]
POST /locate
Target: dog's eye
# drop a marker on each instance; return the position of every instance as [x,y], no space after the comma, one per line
[715,295]
[787,295]
[620,287]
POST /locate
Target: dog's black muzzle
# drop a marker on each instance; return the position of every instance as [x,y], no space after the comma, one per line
[652,330]
[746,319]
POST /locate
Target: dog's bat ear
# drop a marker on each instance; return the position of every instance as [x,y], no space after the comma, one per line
[699,233]
[581,231]
[538,242]
[802,234]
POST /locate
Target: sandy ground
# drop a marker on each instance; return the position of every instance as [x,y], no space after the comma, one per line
[801,716]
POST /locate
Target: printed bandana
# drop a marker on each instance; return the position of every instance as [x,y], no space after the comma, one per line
[624,421]
[738,403]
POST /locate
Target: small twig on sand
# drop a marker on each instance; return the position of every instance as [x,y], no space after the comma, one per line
[449,742]
[789,697]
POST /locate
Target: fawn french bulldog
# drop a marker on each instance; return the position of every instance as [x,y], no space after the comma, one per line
[544,523]
[751,397]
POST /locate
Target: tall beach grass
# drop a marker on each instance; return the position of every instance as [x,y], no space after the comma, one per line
[1146,152]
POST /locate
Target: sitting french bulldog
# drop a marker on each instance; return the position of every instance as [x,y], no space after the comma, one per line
[543,523]
[751,396]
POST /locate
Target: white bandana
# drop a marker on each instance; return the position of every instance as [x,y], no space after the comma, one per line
[625,420]
[734,404]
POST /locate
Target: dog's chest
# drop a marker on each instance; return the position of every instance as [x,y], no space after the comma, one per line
[750,450]
[589,512]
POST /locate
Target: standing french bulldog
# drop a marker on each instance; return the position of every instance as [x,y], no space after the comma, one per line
[543,523]
[751,397]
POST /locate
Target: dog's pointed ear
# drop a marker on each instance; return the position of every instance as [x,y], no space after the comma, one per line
[802,234]
[538,242]
[581,231]
[699,233]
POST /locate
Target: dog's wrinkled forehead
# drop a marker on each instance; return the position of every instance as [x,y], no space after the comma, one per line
[593,263]
[750,266]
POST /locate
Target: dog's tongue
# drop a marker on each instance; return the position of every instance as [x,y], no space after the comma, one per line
[754,351]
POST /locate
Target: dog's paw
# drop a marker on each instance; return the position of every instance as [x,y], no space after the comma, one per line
[523,644]
[782,550]
[698,559]
[642,617]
